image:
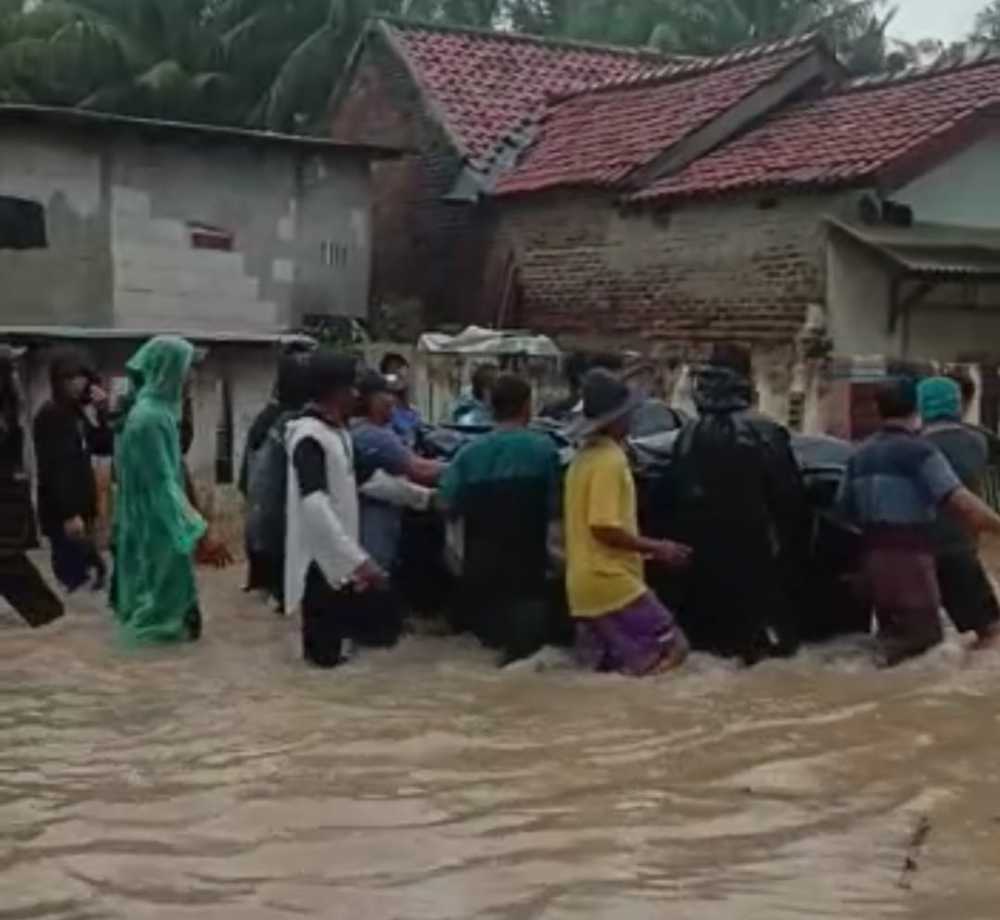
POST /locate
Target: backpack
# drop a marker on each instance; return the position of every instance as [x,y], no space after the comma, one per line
[267,493]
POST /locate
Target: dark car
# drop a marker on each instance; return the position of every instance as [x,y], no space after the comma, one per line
[825,589]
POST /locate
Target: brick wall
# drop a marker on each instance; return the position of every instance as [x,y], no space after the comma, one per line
[427,251]
[673,281]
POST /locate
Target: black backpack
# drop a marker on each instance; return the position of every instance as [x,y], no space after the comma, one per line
[267,492]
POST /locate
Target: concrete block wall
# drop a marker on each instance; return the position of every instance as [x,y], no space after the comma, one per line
[69,281]
[120,209]
[157,192]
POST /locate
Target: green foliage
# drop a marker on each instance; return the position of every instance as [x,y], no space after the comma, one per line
[987,28]
[273,63]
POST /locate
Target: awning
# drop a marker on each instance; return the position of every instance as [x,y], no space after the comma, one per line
[924,255]
[93,333]
[940,251]
[476,340]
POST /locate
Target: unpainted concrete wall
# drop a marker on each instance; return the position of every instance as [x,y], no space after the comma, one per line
[120,211]
[954,322]
[69,282]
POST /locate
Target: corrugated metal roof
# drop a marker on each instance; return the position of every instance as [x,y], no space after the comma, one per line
[106,120]
[940,250]
[89,333]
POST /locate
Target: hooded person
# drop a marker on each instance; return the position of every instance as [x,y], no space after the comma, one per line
[65,441]
[966,593]
[742,507]
[156,529]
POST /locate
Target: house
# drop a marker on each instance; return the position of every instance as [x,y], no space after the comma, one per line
[863,213]
[449,95]
[763,197]
[113,229]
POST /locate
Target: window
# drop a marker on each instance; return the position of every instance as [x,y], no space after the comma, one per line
[332,255]
[22,224]
[205,236]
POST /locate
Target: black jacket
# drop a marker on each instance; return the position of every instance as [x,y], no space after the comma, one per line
[736,472]
[65,441]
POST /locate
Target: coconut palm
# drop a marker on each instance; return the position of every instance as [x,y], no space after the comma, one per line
[987,28]
[266,63]
[854,27]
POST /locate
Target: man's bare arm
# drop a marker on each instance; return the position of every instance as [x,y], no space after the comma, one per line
[974,512]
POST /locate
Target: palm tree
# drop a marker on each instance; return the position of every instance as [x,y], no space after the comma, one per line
[854,27]
[265,63]
[987,28]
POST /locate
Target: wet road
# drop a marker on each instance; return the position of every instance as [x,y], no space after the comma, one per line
[225,780]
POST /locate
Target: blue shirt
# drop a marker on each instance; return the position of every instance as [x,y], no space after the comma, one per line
[379,448]
[896,478]
[471,411]
[405,422]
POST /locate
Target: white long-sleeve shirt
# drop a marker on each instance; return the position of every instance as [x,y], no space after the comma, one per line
[323,524]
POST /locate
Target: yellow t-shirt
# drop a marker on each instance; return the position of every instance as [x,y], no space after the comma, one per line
[600,492]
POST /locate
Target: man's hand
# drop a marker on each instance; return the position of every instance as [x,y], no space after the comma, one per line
[213,552]
[675,555]
[368,576]
[74,528]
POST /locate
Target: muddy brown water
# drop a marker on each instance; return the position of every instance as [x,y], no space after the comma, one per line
[225,780]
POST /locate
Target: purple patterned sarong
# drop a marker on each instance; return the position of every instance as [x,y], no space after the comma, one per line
[633,640]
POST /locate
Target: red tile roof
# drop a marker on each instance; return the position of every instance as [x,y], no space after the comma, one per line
[599,136]
[850,135]
[484,83]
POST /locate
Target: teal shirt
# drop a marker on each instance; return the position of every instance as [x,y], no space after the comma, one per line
[506,487]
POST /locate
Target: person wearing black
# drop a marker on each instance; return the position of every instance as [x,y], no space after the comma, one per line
[327,572]
[65,441]
[21,584]
[263,572]
[966,592]
[742,508]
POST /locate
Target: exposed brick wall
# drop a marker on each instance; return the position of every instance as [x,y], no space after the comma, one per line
[426,250]
[672,281]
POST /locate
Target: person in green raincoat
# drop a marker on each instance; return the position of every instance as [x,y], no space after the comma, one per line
[156,529]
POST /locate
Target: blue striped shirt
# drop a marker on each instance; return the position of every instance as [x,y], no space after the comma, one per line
[896,478]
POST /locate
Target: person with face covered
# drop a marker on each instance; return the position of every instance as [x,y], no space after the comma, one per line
[65,442]
[156,529]
[742,507]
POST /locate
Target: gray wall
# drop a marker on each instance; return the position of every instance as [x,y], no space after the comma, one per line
[965,189]
[69,282]
[119,212]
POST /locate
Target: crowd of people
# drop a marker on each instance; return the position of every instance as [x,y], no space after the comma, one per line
[332,474]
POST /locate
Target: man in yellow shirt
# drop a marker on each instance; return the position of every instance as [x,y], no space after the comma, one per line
[620,624]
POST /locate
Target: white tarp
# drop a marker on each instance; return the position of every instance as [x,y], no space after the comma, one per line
[476,340]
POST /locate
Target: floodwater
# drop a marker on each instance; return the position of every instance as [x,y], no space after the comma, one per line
[226,780]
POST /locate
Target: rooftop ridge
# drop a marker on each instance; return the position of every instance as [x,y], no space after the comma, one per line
[694,68]
[569,44]
[983,56]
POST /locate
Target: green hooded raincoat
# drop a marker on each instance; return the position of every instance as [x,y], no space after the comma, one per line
[155,528]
